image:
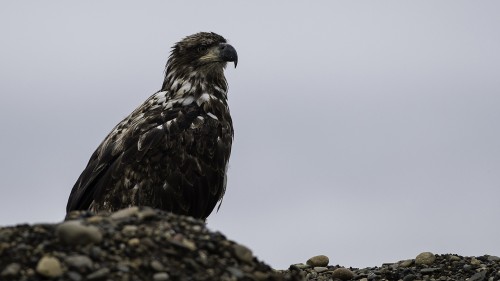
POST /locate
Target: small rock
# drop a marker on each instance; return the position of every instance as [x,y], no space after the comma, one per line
[261,276]
[454,258]
[342,274]
[157,266]
[320,260]
[123,267]
[146,214]
[75,233]
[475,262]
[79,262]
[320,269]
[99,274]
[425,258]
[94,219]
[129,230]
[406,263]
[478,276]
[243,253]
[300,266]
[125,213]
[11,270]
[410,277]
[49,267]
[189,244]
[160,276]
[236,272]
[134,242]
[429,270]
[74,276]
[493,258]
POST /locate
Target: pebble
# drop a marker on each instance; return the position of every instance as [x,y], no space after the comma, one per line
[342,274]
[134,242]
[75,233]
[410,277]
[129,230]
[157,266]
[478,276]
[49,267]
[320,260]
[300,266]
[429,270]
[147,213]
[406,263]
[11,270]
[425,258]
[320,269]
[475,262]
[243,253]
[125,213]
[79,262]
[493,258]
[74,276]
[94,219]
[160,276]
[99,274]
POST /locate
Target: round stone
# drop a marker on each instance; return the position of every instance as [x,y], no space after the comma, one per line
[425,258]
[342,274]
[129,230]
[320,260]
[320,269]
[79,262]
[49,267]
[11,270]
[157,266]
[160,276]
[75,233]
[243,253]
[406,263]
[125,213]
[134,242]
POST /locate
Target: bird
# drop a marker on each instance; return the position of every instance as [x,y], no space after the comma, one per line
[172,152]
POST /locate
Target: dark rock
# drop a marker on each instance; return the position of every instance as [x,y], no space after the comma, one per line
[478,276]
[134,244]
[342,274]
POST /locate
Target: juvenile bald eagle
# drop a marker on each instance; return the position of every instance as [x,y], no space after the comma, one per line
[172,152]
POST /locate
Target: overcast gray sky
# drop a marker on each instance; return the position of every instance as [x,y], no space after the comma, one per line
[367,131]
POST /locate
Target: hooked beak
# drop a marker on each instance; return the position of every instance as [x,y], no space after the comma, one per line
[228,53]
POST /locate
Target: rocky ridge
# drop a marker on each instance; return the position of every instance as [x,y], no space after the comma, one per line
[146,244]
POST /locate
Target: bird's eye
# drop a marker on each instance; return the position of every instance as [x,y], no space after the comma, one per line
[202,48]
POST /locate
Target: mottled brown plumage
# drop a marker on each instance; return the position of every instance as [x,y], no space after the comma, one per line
[172,152]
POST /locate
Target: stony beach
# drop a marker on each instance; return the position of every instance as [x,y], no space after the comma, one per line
[146,244]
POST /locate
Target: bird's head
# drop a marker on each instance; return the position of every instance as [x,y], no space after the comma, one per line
[203,52]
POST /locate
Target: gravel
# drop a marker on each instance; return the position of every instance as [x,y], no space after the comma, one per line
[425,266]
[129,245]
[145,244]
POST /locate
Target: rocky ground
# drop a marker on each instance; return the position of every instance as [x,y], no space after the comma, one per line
[145,244]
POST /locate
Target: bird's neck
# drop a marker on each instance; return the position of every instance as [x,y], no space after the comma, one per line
[189,82]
